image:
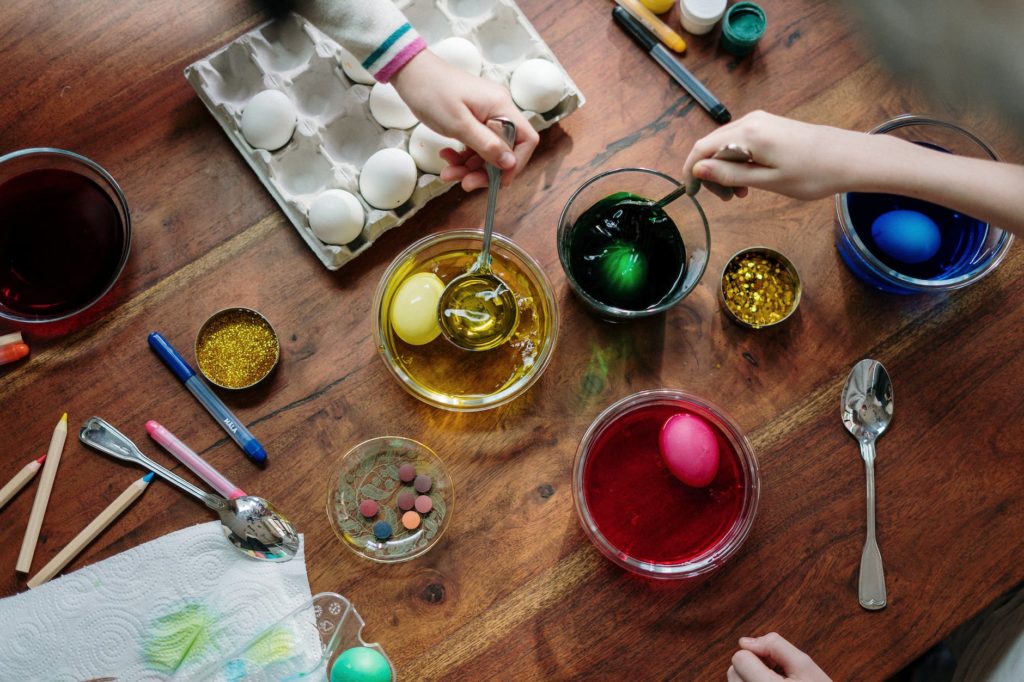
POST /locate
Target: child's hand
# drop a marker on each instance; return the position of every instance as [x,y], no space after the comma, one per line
[457,104]
[758,658]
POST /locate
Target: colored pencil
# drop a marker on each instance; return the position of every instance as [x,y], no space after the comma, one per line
[35,518]
[89,533]
[20,479]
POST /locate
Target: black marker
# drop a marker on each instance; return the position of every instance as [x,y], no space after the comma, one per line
[689,82]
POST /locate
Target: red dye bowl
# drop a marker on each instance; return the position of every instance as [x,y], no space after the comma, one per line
[642,517]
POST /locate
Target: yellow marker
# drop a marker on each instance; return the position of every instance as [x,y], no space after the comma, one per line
[655,25]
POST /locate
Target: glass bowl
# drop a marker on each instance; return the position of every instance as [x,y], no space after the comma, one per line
[638,514]
[80,239]
[988,250]
[685,212]
[370,471]
[438,372]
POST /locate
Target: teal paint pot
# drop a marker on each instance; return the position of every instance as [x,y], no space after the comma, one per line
[742,26]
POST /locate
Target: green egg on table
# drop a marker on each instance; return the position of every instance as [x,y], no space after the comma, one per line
[361,664]
[414,309]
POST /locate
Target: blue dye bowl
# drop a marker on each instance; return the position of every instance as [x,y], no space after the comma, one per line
[970,249]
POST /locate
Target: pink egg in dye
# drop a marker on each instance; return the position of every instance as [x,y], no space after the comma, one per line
[690,449]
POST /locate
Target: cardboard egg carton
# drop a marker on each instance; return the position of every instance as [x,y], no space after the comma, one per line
[336,133]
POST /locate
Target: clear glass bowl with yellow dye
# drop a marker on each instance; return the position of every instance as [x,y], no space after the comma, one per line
[445,376]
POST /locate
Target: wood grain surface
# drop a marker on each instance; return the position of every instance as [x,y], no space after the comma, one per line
[514,590]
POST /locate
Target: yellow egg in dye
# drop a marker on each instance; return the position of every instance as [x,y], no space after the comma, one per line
[658,6]
[414,308]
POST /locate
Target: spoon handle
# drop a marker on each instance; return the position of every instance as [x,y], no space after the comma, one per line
[872,577]
[506,130]
[100,435]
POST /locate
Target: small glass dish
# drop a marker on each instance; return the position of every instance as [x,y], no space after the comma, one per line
[990,245]
[438,372]
[303,644]
[80,241]
[638,514]
[370,471]
[790,272]
[685,212]
[253,354]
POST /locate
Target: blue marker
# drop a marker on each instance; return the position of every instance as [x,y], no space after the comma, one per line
[165,351]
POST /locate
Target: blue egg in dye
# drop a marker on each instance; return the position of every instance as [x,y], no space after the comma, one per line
[907,236]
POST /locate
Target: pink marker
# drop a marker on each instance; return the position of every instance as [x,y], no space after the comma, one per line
[197,464]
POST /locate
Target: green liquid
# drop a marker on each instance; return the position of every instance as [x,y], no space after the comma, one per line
[626,253]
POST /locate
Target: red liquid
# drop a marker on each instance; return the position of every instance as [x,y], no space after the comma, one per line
[61,242]
[645,511]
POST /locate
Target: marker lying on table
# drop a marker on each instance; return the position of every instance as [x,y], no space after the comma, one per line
[89,533]
[653,24]
[205,395]
[697,90]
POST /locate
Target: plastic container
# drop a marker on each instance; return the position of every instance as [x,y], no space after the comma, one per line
[700,16]
[448,377]
[685,212]
[302,645]
[742,472]
[742,27]
[867,266]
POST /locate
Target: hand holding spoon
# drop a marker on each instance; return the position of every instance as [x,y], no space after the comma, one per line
[250,523]
[477,310]
[734,153]
[867,412]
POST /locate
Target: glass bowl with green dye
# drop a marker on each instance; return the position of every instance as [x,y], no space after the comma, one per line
[370,471]
[652,267]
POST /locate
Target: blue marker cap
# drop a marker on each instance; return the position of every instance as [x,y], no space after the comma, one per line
[255,451]
[171,358]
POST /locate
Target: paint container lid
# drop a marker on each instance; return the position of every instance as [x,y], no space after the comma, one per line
[700,16]
[742,26]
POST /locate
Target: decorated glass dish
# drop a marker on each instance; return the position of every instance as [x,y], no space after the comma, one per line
[625,258]
[431,367]
[631,500]
[907,246]
[391,499]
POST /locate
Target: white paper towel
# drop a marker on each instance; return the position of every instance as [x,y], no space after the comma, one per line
[161,610]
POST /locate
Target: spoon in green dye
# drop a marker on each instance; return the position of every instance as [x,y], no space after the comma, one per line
[477,311]
[250,523]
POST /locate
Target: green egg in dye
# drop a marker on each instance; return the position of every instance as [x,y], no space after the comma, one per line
[624,268]
[173,639]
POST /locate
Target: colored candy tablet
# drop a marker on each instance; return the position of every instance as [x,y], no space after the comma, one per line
[414,309]
[411,520]
[422,483]
[690,449]
[368,508]
[361,664]
[406,500]
[907,236]
[424,504]
[406,473]
[382,530]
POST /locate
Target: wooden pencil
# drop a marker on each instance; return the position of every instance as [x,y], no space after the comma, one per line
[35,519]
[89,533]
[20,479]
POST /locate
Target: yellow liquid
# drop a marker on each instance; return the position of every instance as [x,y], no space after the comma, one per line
[481,313]
[458,376]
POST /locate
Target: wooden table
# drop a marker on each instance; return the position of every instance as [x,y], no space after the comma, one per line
[515,590]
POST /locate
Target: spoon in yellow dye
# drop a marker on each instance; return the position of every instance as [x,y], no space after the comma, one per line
[477,310]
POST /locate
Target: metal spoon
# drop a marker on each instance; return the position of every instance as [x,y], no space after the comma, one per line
[867,412]
[735,153]
[477,311]
[250,523]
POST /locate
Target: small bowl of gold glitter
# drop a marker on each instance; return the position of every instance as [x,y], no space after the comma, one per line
[760,288]
[237,348]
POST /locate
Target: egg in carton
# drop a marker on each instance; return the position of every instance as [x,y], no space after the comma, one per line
[304,115]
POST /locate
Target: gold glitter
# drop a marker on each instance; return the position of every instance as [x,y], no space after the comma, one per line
[236,348]
[759,289]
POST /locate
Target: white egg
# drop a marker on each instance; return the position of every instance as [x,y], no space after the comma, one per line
[537,85]
[425,147]
[388,178]
[336,216]
[268,121]
[461,53]
[354,69]
[389,109]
